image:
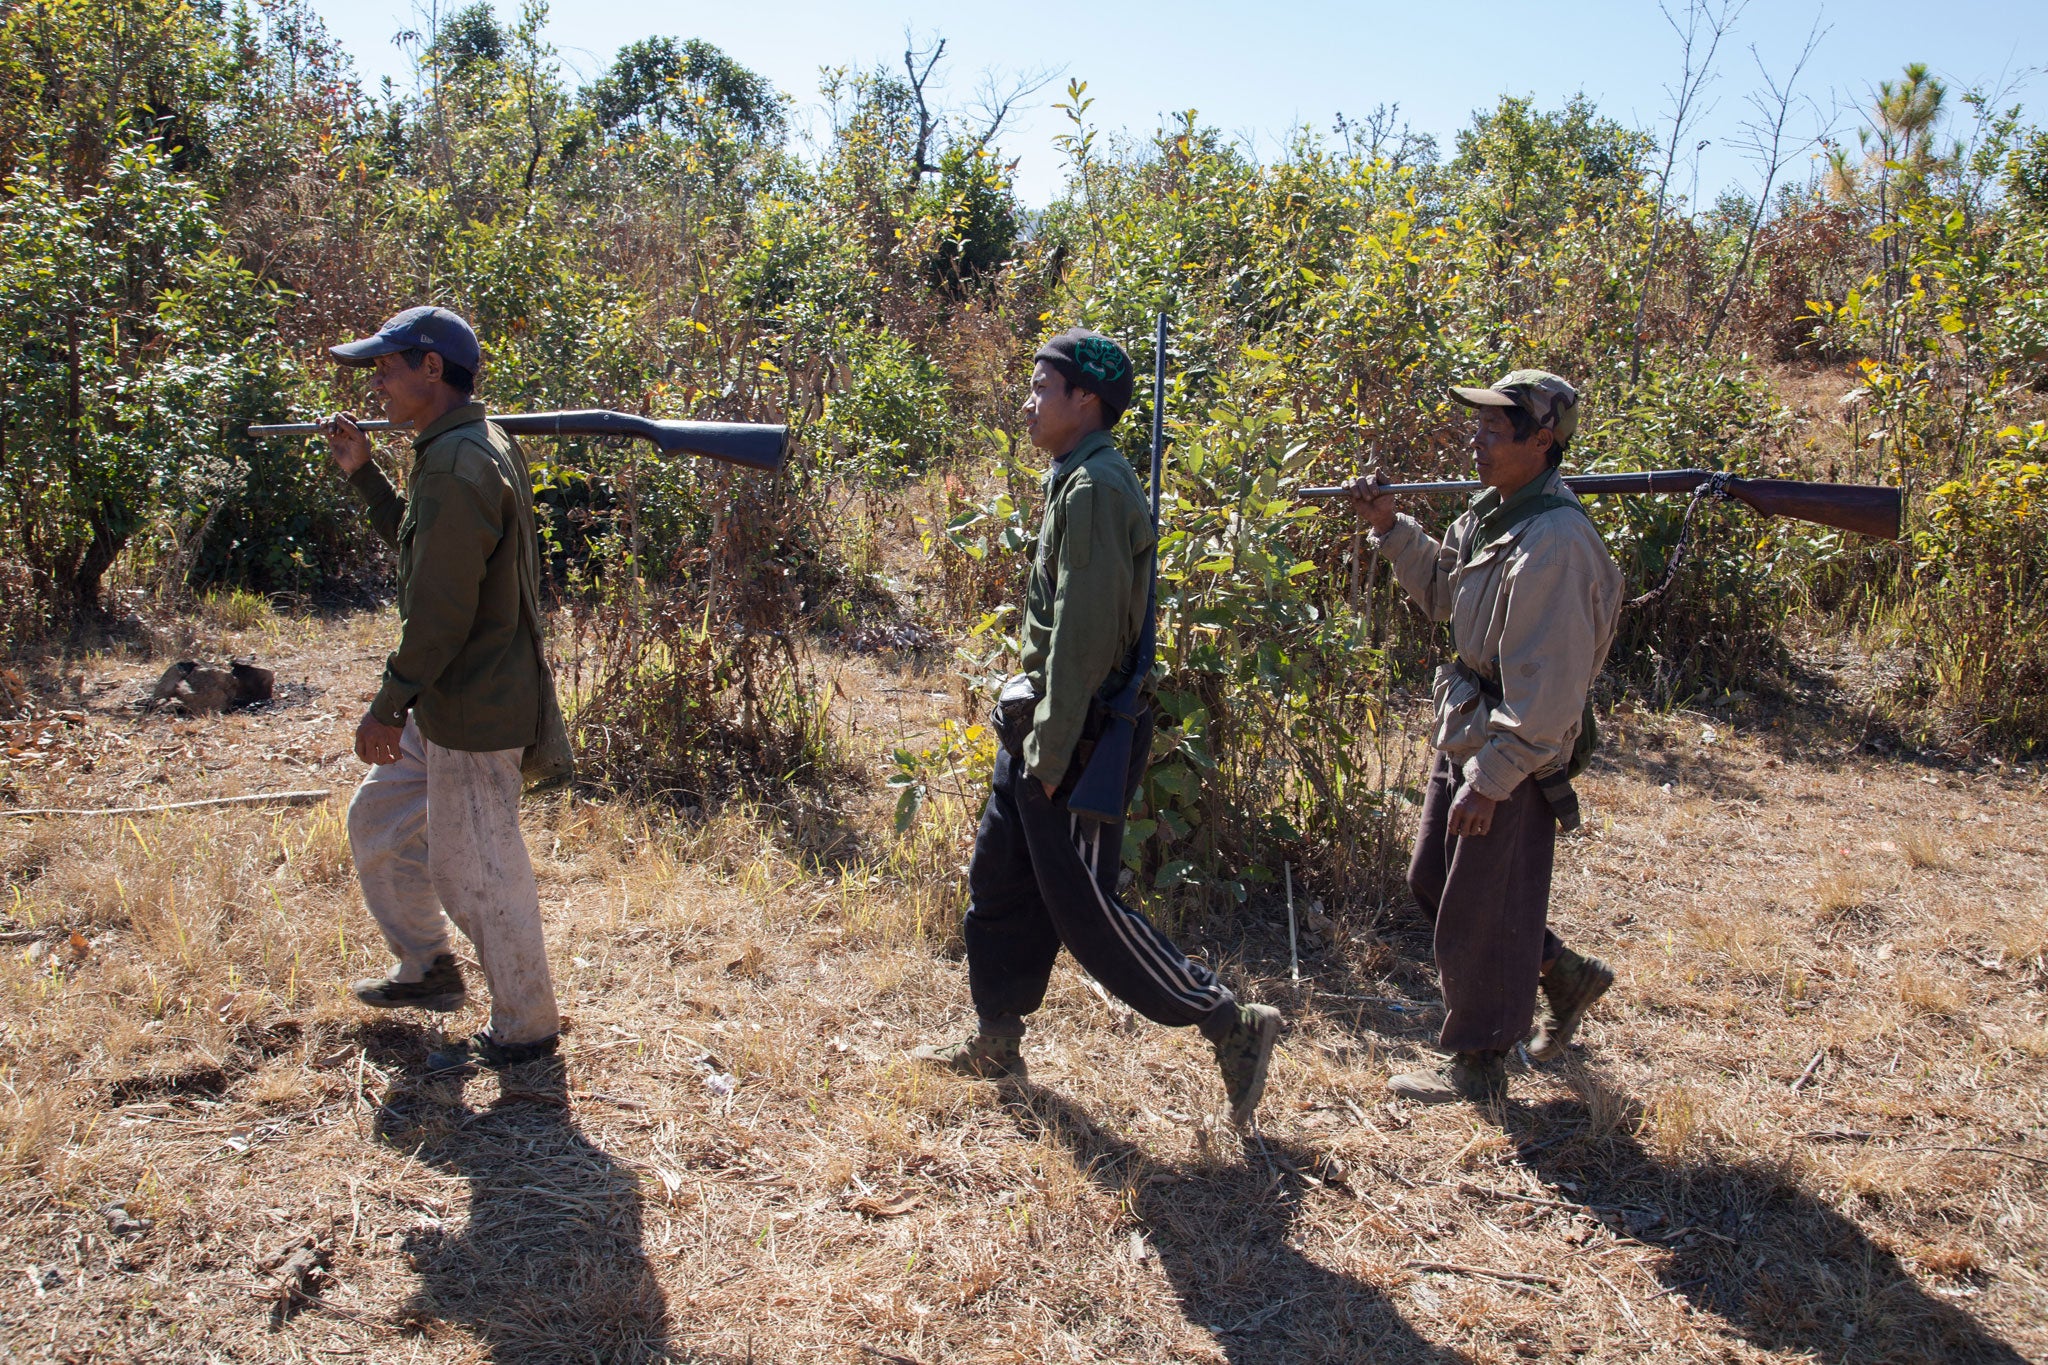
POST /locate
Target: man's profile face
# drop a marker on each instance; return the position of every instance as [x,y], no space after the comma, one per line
[1055,416]
[406,392]
[1505,463]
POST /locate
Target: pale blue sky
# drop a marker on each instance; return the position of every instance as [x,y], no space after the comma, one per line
[1257,70]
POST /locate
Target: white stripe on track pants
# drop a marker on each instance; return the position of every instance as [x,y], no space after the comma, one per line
[1043,878]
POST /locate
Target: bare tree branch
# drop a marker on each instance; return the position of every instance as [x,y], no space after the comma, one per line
[994,102]
[927,121]
[1764,141]
[1706,23]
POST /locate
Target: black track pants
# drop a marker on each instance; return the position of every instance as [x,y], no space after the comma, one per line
[1041,878]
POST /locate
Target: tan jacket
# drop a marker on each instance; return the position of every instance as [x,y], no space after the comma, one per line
[1533,611]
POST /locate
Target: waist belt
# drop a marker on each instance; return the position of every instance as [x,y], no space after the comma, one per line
[1556,787]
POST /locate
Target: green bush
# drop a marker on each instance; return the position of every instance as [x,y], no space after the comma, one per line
[1979,617]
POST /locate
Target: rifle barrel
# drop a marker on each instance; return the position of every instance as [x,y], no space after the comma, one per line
[1866,509]
[311,428]
[1158,416]
[1634,481]
[755,445]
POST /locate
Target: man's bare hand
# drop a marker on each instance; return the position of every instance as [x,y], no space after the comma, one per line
[1472,814]
[1376,507]
[346,443]
[376,742]
[1049,789]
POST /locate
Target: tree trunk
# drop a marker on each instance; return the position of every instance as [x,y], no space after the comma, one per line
[100,554]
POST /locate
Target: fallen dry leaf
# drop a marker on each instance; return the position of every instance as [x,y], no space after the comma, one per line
[871,1207]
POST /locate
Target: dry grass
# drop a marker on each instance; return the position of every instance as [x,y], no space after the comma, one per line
[1808,1125]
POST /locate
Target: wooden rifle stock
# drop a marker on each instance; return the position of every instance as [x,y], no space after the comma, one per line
[753,445]
[1865,509]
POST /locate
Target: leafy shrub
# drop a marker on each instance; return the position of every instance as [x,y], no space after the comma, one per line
[1718,628]
[1979,617]
[1812,251]
[695,692]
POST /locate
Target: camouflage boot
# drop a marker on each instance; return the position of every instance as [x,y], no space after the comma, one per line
[987,1055]
[1481,1077]
[1243,1054]
[1570,987]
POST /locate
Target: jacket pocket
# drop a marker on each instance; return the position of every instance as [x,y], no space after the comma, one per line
[1461,711]
[1478,593]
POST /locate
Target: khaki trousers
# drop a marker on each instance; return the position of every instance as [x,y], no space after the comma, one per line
[439,831]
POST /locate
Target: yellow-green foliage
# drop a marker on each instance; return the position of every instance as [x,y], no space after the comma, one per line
[1982,557]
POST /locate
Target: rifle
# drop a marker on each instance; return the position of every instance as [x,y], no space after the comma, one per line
[752,445]
[1099,793]
[1863,508]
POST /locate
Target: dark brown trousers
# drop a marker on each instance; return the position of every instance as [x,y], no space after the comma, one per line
[1489,897]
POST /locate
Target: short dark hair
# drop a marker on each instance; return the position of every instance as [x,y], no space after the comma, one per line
[1525,424]
[452,374]
[1068,371]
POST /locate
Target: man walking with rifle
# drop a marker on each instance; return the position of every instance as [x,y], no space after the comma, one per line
[1044,874]
[1532,597]
[435,825]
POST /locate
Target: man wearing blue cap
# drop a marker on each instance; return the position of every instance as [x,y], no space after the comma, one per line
[434,828]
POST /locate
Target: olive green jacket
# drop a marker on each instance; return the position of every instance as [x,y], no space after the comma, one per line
[1087,599]
[465,665]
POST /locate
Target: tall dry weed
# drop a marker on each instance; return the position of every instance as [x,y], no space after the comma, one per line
[32,1126]
[1927,849]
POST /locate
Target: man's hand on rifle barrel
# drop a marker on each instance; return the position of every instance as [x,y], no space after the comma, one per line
[1377,508]
[345,441]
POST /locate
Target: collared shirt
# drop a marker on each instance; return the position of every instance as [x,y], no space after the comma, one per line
[1086,603]
[466,665]
[1532,609]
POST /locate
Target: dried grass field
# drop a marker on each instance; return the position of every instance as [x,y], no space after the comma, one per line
[1808,1125]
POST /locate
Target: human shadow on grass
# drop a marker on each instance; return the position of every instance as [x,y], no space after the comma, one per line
[1745,1243]
[549,1265]
[1221,1234]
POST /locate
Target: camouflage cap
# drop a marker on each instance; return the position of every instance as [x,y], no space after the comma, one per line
[1544,396]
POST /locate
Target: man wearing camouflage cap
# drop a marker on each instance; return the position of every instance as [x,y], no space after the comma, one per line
[1532,596]
[1043,876]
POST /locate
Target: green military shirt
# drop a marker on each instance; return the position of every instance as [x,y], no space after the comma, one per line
[1087,599]
[465,665]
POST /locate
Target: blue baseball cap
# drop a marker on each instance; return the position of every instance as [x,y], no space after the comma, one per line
[425,329]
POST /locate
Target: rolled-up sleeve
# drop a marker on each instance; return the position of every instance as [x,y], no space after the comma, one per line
[1422,565]
[380,500]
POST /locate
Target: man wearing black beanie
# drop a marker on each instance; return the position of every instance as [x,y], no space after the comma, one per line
[1042,876]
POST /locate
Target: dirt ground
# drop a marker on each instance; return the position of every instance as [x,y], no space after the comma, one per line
[1809,1124]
